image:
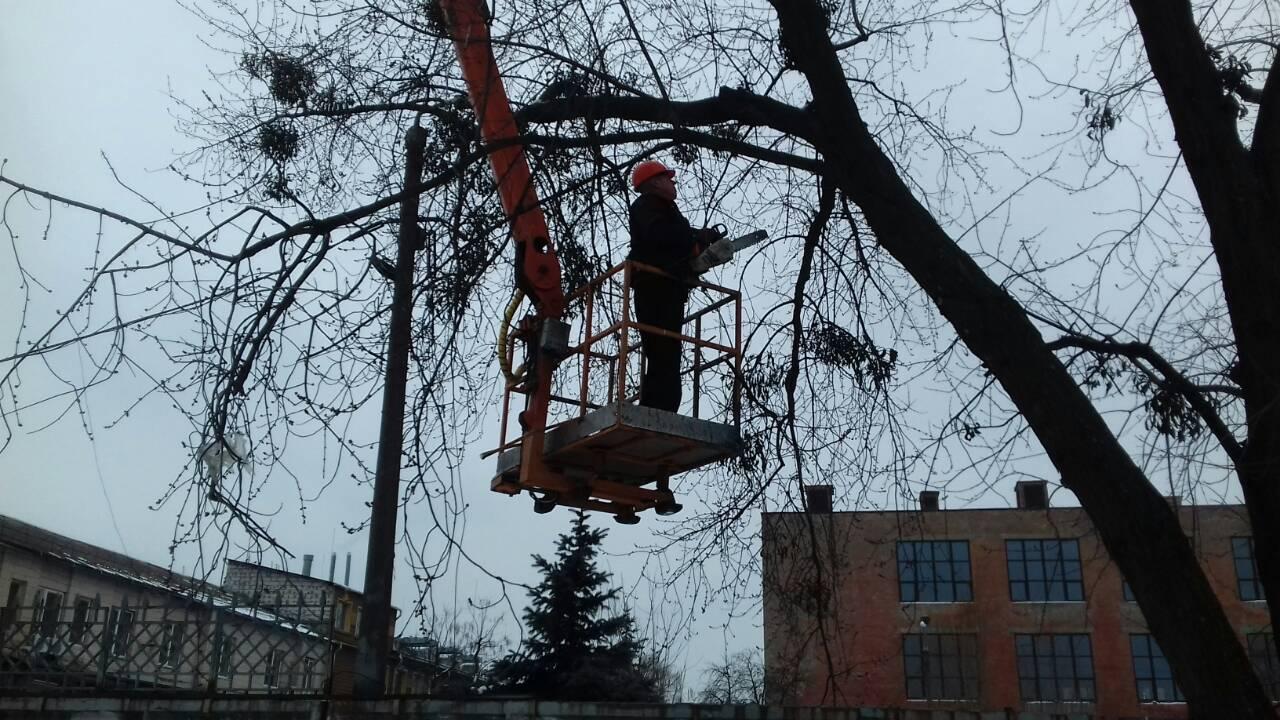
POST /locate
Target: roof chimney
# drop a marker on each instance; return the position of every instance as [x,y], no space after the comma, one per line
[333,564]
[347,578]
[817,498]
[306,564]
[1032,494]
[928,500]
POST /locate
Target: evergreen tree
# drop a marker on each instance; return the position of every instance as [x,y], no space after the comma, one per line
[577,648]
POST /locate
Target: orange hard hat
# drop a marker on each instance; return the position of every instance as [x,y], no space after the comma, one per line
[647,170]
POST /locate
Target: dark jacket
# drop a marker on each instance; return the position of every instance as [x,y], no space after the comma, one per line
[662,237]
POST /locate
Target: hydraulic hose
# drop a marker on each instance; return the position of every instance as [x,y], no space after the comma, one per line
[504,361]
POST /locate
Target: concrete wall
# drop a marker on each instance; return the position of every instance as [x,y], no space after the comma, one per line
[294,709]
[834,623]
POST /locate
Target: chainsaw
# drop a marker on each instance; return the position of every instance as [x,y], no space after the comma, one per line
[724,249]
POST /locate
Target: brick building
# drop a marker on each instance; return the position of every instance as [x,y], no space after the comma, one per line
[982,609]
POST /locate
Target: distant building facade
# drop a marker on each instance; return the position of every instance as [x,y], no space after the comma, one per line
[75,615]
[984,610]
[333,610]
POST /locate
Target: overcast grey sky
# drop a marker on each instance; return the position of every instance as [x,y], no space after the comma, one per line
[86,82]
[82,80]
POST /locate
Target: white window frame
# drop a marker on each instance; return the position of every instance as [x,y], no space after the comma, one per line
[224,646]
[172,636]
[271,673]
[121,616]
[80,624]
[38,620]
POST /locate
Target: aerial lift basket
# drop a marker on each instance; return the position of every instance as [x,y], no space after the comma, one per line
[601,449]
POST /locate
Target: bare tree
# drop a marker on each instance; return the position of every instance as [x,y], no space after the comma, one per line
[464,643]
[893,269]
[738,679]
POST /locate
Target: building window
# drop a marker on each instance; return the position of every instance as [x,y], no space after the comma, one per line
[17,589]
[1151,672]
[120,630]
[1055,668]
[171,637]
[271,672]
[1247,581]
[1044,570]
[934,571]
[48,611]
[223,648]
[308,673]
[941,666]
[80,618]
[1262,653]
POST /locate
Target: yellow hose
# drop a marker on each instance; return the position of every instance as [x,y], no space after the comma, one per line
[504,362]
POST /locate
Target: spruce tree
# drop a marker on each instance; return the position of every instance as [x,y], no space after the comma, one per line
[577,647]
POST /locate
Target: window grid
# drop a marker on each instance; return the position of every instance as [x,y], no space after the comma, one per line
[308,669]
[1044,570]
[120,626]
[1262,653]
[940,666]
[171,644]
[10,610]
[1247,581]
[48,612]
[223,648]
[1151,672]
[1055,668]
[934,571]
[80,618]
[271,675]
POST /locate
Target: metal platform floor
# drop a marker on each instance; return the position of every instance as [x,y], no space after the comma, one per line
[631,444]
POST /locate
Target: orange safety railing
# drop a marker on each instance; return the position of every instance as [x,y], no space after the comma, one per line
[605,361]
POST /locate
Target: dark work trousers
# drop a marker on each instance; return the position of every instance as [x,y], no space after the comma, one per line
[660,304]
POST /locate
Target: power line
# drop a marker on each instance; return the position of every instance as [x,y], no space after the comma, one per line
[82,399]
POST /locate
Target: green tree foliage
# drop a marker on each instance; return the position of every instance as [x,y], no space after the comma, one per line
[578,648]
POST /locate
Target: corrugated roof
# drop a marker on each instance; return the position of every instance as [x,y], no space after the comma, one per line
[36,539]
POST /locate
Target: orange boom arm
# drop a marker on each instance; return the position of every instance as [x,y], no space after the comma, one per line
[537,268]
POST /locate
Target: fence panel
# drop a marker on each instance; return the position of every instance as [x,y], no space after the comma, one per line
[191,646]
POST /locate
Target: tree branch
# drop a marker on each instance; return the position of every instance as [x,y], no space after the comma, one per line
[701,139]
[730,105]
[644,50]
[1248,93]
[143,228]
[1204,117]
[1172,377]
[1266,134]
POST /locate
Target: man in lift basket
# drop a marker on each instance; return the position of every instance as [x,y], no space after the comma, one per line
[663,238]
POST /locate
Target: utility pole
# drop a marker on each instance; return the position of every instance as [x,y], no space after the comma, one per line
[374,640]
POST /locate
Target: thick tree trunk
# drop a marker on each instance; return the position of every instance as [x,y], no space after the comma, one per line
[1137,526]
[1237,189]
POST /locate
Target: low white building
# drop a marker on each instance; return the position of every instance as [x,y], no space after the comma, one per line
[77,615]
